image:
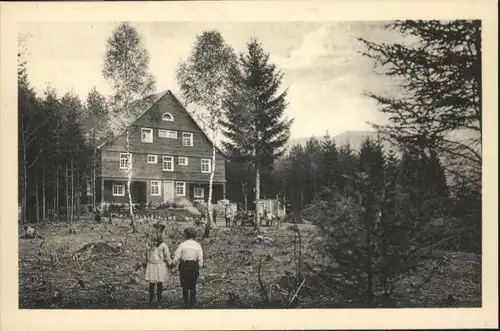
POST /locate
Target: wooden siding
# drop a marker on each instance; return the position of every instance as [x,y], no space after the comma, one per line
[141,169]
[218,192]
[139,196]
[137,189]
[202,147]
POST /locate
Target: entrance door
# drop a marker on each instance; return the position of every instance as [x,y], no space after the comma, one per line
[168,191]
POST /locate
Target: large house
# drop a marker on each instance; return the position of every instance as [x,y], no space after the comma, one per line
[171,158]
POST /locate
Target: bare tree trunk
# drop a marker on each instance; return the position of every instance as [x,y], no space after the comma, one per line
[43,194]
[25,188]
[93,178]
[56,205]
[301,199]
[129,181]
[72,193]
[210,189]
[245,195]
[37,199]
[257,196]
[78,201]
[67,192]
[369,270]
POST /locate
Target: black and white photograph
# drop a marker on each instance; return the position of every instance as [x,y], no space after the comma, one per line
[264,165]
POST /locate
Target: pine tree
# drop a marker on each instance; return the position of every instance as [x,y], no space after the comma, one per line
[256,113]
[329,160]
[347,169]
[441,90]
[96,124]
[75,150]
[311,163]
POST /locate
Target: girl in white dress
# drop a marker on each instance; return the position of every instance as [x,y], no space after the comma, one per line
[158,260]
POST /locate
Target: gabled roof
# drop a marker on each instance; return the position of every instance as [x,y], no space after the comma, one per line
[149,102]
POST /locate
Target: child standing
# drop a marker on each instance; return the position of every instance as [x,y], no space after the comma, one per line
[157,259]
[189,255]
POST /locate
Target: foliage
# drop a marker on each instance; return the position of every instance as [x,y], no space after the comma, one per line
[50,139]
[440,77]
[255,126]
[126,68]
[379,229]
[204,80]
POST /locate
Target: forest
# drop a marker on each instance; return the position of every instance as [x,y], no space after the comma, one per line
[379,211]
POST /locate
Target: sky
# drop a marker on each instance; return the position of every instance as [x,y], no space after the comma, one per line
[325,74]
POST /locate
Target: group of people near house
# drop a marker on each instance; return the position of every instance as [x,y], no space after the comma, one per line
[159,264]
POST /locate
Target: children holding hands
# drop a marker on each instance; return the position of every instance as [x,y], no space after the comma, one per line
[189,257]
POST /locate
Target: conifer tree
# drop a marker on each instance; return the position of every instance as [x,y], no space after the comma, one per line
[329,160]
[440,73]
[97,126]
[347,169]
[256,113]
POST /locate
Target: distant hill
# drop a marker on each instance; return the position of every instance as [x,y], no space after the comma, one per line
[354,138]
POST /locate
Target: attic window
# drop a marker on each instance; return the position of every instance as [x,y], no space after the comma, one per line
[167,117]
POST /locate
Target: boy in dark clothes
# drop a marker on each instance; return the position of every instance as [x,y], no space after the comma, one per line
[189,255]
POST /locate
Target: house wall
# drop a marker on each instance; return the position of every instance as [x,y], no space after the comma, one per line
[141,169]
[202,147]
[217,194]
[145,192]
[138,190]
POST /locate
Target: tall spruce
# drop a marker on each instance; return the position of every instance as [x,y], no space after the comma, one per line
[255,124]
[203,79]
[126,68]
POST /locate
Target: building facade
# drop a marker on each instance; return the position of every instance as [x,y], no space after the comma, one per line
[171,158]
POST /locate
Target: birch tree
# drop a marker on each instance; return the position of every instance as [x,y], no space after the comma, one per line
[203,79]
[126,68]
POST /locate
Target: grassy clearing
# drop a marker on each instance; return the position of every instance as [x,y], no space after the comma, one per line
[49,270]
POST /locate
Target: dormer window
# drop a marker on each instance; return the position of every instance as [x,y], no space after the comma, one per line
[167,117]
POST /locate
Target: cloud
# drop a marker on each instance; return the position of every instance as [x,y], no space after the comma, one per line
[305,55]
[325,73]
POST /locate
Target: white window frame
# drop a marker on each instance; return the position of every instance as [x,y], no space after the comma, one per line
[122,194]
[209,166]
[168,117]
[187,135]
[158,184]
[151,135]
[169,134]
[155,157]
[183,184]
[171,158]
[183,158]
[122,158]
[197,196]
